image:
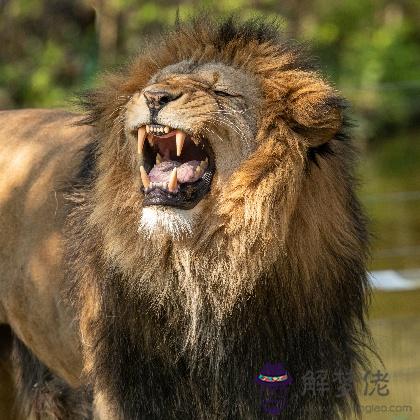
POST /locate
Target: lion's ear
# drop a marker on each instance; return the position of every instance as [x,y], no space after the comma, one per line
[314,109]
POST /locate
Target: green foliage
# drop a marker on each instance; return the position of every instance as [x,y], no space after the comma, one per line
[372,49]
[51,49]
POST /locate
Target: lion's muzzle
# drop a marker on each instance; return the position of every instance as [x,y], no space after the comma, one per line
[177,167]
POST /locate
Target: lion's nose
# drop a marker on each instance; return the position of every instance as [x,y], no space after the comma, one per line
[158,99]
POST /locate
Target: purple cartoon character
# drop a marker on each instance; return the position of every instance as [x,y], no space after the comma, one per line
[274,381]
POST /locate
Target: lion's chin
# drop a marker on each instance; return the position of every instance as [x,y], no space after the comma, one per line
[168,221]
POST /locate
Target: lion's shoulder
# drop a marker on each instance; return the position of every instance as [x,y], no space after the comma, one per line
[38,143]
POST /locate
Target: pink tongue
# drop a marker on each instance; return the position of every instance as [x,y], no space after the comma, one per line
[185,172]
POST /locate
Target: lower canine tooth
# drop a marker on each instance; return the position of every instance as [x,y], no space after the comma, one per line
[196,141]
[167,129]
[150,139]
[173,181]
[158,159]
[203,164]
[144,177]
[180,138]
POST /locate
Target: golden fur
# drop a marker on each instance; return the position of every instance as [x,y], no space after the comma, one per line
[274,266]
[40,154]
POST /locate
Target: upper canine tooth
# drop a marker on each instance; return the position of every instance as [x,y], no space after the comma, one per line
[167,129]
[180,138]
[173,181]
[141,135]
[144,177]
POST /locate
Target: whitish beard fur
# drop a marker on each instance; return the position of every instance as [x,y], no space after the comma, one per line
[177,223]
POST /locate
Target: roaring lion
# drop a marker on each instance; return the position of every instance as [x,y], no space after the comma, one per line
[197,222]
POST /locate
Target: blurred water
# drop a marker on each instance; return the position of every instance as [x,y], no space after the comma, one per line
[390,192]
[397,339]
[396,229]
[390,176]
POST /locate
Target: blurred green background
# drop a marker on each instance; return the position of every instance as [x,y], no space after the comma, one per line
[50,50]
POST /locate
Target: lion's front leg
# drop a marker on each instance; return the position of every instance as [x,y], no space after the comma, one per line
[103,409]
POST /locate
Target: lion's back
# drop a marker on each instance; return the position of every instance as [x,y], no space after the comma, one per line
[37,151]
[39,156]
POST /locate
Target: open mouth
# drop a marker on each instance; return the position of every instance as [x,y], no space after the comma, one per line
[177,168]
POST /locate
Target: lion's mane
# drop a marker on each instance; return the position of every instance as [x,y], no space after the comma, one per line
[275,270]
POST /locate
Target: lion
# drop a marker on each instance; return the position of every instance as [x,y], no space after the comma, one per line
[197,221]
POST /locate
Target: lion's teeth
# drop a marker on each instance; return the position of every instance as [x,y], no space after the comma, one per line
[147,128]
[180,138]
[203,164]
[196,141]
[167,129]
[144,177]
[141,135]
[173,181]
[158,159]
[150,139]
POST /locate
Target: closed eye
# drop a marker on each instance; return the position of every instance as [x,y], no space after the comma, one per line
[224,93]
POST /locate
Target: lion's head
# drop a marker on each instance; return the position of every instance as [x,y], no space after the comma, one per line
[206,119]
[222,200]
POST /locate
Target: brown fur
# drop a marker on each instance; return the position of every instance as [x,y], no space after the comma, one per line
[274,269]
[285,229]
[40,154]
